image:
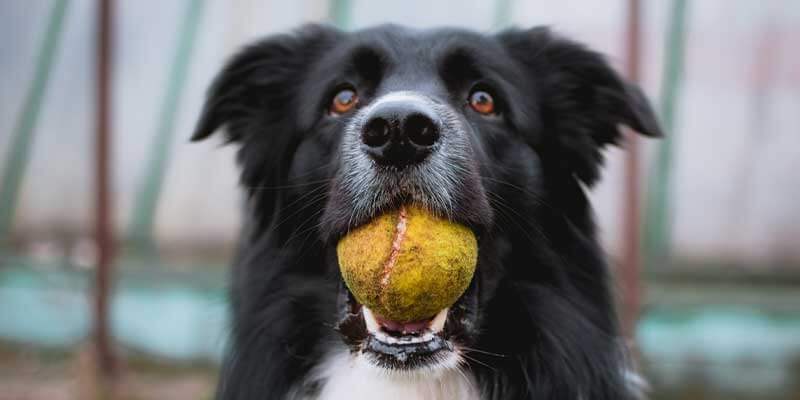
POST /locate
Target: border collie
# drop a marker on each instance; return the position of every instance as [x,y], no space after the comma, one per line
[502,133]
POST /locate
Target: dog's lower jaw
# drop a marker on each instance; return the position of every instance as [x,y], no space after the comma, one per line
[346,375]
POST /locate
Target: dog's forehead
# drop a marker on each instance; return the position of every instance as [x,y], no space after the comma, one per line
[402,45]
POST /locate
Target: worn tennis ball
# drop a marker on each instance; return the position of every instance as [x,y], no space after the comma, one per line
[408,264]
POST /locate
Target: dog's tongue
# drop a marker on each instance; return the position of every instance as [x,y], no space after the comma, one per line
[403,327]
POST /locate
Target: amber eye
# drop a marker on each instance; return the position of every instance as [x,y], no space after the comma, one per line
[343,101]
[482,102]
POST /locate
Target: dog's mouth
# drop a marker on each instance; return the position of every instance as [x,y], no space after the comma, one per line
[393,345]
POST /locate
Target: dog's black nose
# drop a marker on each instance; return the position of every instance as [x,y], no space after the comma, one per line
[399,134]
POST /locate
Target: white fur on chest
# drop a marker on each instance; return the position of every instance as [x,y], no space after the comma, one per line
[345,376]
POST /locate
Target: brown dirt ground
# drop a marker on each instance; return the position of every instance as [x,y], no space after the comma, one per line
[28,374]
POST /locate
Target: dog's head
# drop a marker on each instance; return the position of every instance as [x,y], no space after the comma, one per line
[492,131]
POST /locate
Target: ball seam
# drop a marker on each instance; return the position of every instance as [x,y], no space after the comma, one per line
[399,236]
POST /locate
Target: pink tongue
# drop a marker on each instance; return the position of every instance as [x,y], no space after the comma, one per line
[403,327]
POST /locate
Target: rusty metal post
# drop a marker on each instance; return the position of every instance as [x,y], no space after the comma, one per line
[104,234]
[631,208]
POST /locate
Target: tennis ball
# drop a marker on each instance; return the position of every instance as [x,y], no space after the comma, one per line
[408,264]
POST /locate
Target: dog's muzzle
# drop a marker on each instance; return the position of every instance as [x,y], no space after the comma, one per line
[407,147]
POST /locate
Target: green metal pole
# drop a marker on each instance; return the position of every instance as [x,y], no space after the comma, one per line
[502,13]
[339,13]
[657,220]
[19,148]
[141,230]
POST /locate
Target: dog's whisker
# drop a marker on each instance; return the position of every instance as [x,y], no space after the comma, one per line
[311,193]
[517,219]
[297,177]
[315,195]
[300,228]
[307,233]
[258,189]
[527,220]
[521,189]
[540,200]
[289,186]
[489,353]
[505,204]
[475,360]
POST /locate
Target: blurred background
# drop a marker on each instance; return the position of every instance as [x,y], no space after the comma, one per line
[116,233]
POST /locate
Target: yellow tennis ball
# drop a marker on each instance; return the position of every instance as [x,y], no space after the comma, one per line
[408,264]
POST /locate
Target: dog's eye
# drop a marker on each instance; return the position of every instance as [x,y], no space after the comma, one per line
[343,101]
[482,102]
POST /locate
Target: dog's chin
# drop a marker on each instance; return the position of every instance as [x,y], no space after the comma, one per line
[425,346]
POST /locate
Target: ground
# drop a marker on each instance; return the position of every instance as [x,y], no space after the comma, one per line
[35,374]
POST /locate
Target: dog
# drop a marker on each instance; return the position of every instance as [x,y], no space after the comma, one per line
[503,133]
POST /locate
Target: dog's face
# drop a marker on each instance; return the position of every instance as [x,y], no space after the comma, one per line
[487,130]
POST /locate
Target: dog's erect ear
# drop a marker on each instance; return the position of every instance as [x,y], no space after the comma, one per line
[582,100]
[259,81]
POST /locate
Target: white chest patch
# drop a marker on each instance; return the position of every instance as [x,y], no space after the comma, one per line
[349,377]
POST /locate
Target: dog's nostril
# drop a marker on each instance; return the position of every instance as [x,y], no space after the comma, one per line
[399,133]
[376,133]
[421,130]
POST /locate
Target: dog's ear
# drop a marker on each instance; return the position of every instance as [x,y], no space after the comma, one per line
[257,84]
[582,100]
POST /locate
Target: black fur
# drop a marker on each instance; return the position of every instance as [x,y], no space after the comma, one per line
[544,321]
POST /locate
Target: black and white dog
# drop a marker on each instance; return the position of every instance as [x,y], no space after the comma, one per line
[502,133]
